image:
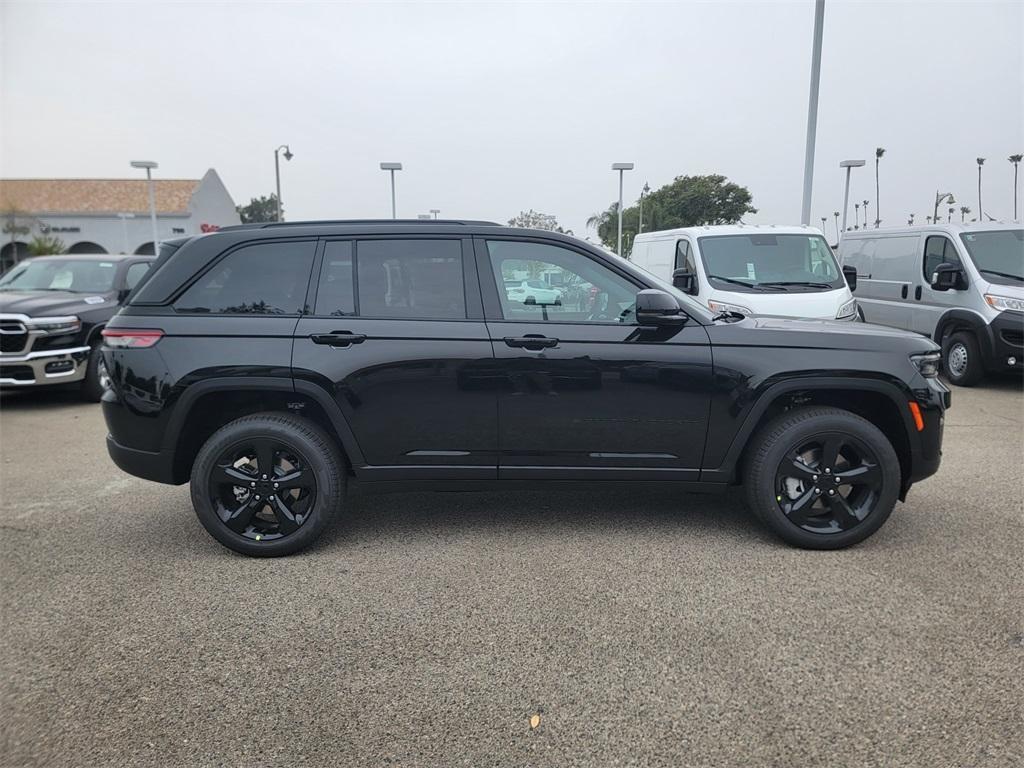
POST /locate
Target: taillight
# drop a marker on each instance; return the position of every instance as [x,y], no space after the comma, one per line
[129,338]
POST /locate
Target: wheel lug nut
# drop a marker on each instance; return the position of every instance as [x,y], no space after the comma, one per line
[814,478]
[253,485]
[827,471]
[837,478]
[257,497]
[275,484]
[817,490]
[832,493]
[264,477]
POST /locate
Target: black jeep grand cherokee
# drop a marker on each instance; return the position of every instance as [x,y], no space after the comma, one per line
[270,364]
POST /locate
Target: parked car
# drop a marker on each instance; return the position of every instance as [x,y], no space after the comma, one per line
[761,270]
[277,362]
[536,291]
[961,285]
[52,310]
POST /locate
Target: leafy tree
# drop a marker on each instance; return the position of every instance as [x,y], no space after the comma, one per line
[688,201]
[259,209]
[532,219]
[46,245]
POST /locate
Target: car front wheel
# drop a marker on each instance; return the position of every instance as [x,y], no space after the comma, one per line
[961,357]
[267,485]
[822,478]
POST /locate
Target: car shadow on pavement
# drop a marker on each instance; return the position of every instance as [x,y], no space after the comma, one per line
[38,399]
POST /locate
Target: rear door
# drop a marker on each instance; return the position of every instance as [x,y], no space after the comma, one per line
[581,388]
[395,332]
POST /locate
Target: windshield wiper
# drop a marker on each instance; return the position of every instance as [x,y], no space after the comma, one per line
[808,283]
[741,282]
[1001,274]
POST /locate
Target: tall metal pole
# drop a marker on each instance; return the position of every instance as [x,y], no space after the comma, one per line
[152,210]
[812,111]
[277,177]
[619,249]
[846,197]
[394,214]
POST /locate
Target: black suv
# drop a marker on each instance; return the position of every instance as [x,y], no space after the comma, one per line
[271,364]
[52,310]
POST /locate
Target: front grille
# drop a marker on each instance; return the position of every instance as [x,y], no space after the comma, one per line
[16,372]
[1013,337]
[13,335]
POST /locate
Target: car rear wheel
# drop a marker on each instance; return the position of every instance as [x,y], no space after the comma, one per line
[822,478]
[961,358]
[267,485]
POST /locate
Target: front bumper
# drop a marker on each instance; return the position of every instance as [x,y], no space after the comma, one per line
[51,366]
[933,399]
[1005,342]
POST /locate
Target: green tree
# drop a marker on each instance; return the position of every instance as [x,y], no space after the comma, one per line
[688,201]
[532,219]
[46,245]
[259,209]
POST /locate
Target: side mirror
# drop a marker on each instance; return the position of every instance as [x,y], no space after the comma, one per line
[948,276]
[850,273]
[654,307]
[685,281]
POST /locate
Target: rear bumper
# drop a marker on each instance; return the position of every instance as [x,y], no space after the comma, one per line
[1005,342]
[148,465]
[51,366]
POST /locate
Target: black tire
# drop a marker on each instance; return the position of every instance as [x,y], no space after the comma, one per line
[92,384]
[317,452]
[774,443]
[961,359]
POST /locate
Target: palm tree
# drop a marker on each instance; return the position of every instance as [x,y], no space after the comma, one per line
[879,151]
[949,216]
[1015,159]
[911,222]
[836,214]
[981,162]
[865,214]
[928,219]
[964,210]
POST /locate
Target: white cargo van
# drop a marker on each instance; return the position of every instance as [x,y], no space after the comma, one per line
[960,284]
[755,270]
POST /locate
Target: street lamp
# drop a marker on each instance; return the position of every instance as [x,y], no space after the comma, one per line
[277,174]
[435,211]
[124,227]
[621,168]
[848,164]
[644,191]
[812,111]
[939,197]
[392,167]
[149,165]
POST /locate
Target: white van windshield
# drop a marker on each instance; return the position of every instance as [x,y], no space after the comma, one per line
[770,262]
[997,254]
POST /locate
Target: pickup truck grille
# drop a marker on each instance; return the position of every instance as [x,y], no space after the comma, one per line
[13,335]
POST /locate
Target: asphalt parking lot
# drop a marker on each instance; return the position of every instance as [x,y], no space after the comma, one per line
[642,628]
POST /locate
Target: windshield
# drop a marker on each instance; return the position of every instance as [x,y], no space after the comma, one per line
[769,262]
[998,255]
[58,275]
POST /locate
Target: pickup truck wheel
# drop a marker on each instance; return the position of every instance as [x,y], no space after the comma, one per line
[961,357]
[267,485]
[95,376]
[822,478]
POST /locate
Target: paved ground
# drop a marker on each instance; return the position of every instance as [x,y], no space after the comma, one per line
[428,629]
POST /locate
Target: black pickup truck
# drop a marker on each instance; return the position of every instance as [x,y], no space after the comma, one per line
[52,310]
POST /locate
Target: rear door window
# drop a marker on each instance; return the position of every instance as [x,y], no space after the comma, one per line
[420,279]
[259,279]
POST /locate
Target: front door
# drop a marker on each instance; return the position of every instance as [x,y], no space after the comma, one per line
[396,333]
[581,385]
[931,305]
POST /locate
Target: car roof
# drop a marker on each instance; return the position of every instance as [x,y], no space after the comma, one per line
[88,257]
[948,227]
[709,230]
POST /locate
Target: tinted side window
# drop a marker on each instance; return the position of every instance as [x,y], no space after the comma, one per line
[135,273]
[410,278]
[262,279]
[336,294]
[938,250]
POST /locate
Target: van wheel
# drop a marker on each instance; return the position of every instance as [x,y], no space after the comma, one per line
[267,485]
[961,357]
[822,478]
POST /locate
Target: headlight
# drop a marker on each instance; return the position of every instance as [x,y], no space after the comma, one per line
[927,364]
[70,324]
[1004,302]
[721,306]
[848,310]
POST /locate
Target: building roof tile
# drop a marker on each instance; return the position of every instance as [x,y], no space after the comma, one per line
[94,196]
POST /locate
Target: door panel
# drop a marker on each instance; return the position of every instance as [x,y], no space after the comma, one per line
[932,304]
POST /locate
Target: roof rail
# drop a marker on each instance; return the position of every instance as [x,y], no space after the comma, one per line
[342,222]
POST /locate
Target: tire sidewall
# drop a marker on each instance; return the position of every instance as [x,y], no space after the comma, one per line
[329,486]
[975,370]
[764,483]
[92,389]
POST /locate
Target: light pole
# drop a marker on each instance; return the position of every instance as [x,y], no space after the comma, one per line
[621,168]
[644,191]
[939,197]
[435,211]
[149,165]
[392,167]
[866,214]
[812,110]
[277,174]
[848,165]
[836,214]
[124,227]
[981,162]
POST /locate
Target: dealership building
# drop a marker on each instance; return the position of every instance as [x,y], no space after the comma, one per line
[108,215]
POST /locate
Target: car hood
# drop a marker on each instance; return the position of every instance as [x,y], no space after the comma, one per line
[52,303]
[796,303]
[820,334]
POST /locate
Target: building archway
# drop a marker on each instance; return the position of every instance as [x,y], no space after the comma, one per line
[11,253]
[86,247]
[146,249]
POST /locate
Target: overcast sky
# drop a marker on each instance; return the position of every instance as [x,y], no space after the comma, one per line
[496,108]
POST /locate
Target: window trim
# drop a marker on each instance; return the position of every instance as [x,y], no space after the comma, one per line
[489,287]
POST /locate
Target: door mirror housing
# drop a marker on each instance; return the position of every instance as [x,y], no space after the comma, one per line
[948,276]
[850,273]
[685,281]
[654,307]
